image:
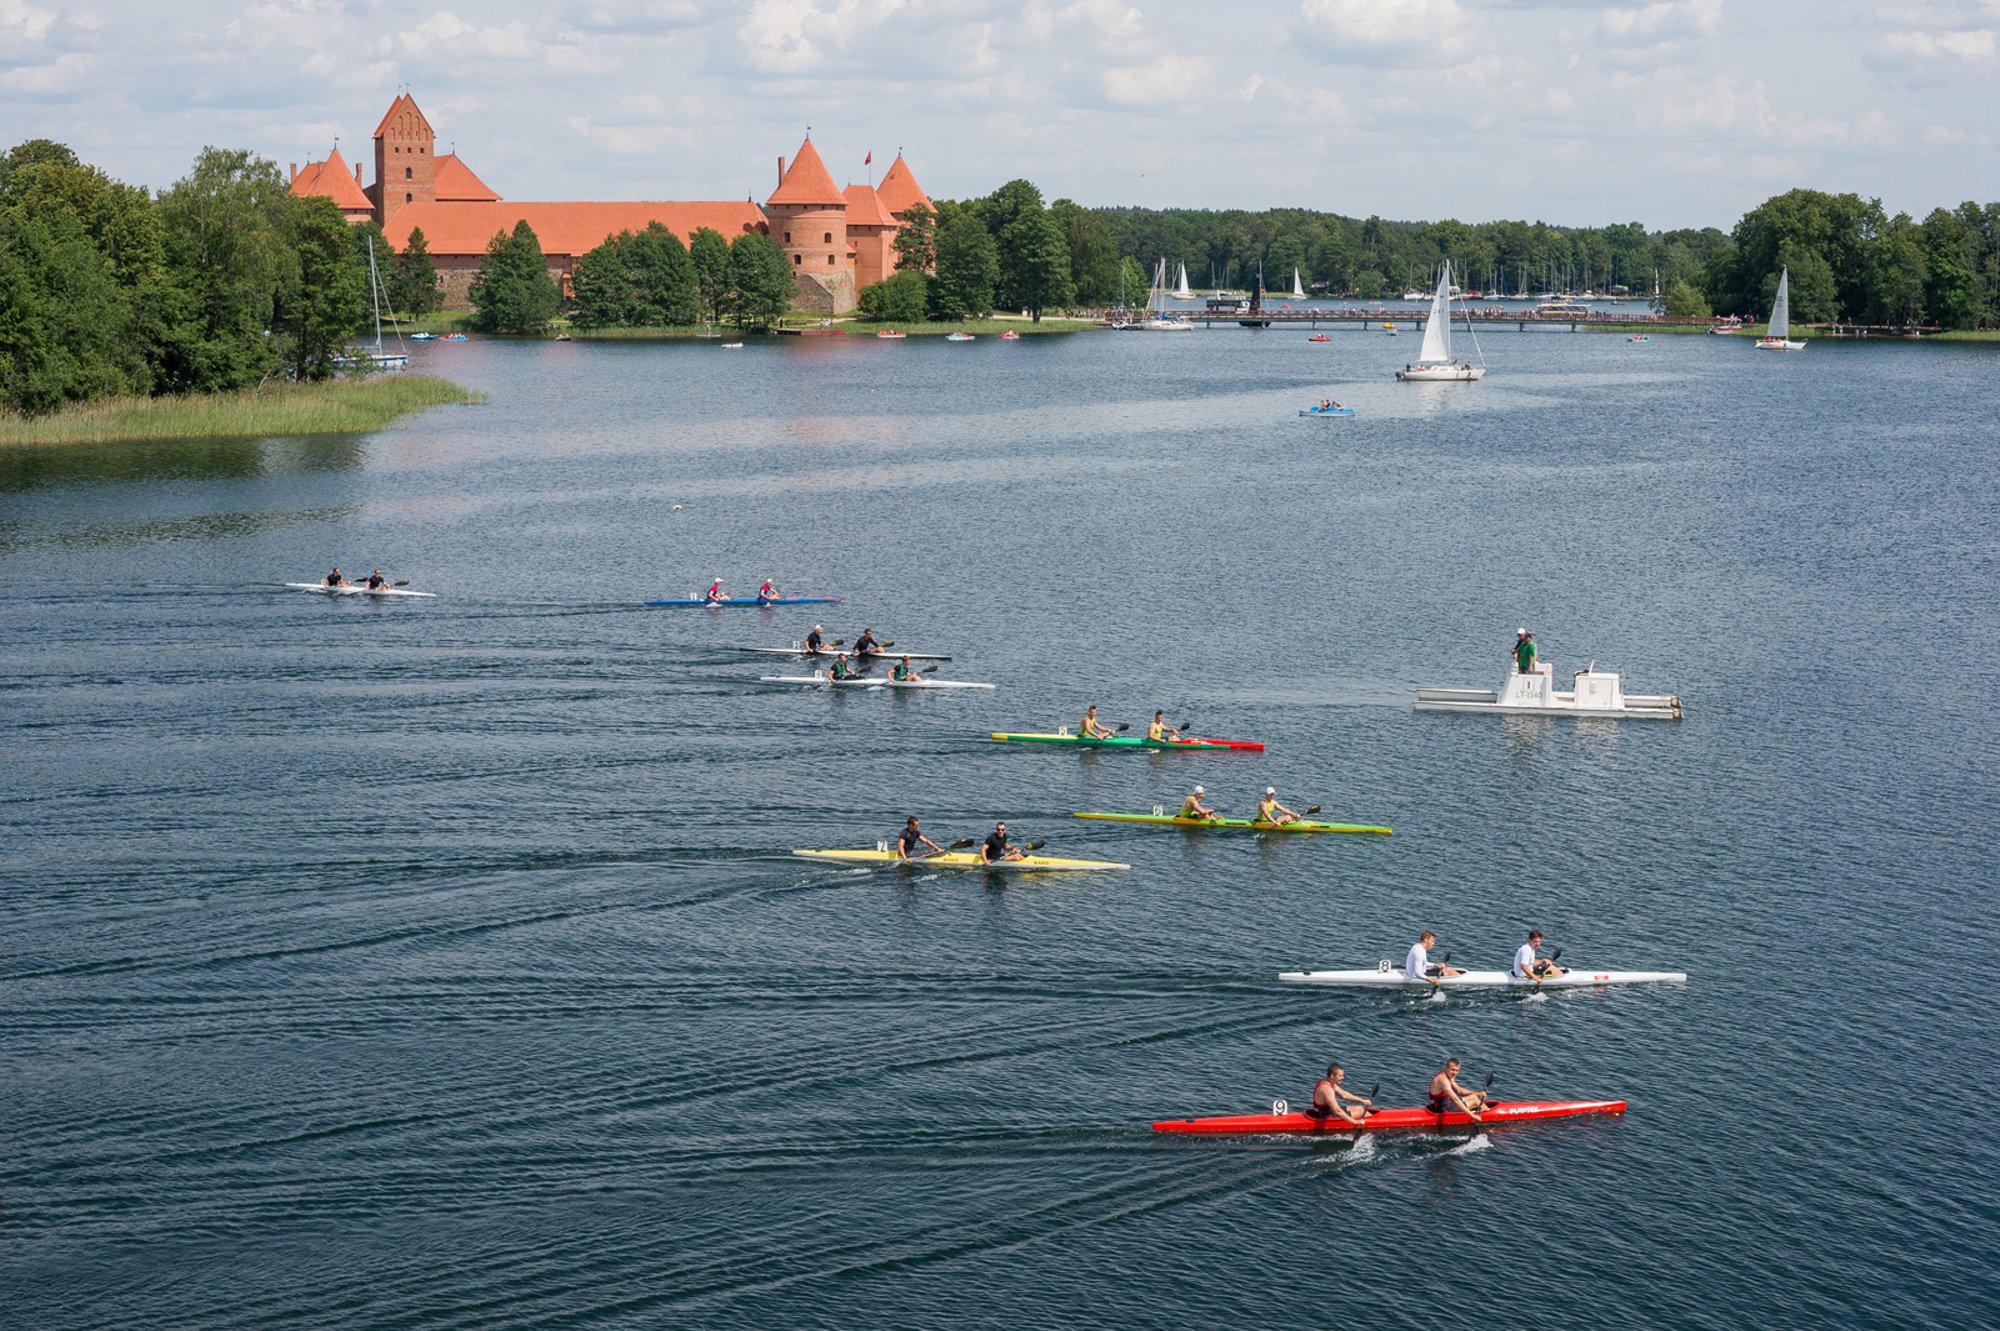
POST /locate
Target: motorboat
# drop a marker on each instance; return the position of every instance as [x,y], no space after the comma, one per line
[1593,692]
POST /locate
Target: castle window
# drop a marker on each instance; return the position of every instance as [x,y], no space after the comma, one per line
[409,198]
[788,237]
[829,261]
[407,172]
[828,240]
[798,259]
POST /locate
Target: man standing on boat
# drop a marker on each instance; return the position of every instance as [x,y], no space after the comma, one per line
[1524,652]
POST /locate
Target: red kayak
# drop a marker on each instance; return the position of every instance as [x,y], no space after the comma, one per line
[1393,1120]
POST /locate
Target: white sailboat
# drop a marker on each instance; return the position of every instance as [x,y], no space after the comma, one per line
[1156,320]
[1777,336]
[378,358]
[1183,291]
[1434,363]
[1298,289]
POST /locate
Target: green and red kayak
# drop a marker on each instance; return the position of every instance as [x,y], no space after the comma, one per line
[1129,742]
[1231,824]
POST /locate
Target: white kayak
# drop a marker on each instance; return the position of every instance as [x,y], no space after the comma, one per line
[864,682]
[1386,976]
[355,589]
[828,653]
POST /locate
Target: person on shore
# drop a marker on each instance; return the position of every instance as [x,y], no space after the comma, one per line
[997,847]
[1446,1094]
[911,841]
[1192,807]
[1524,652]
[334,579]
[1092,728]
[378,581]
[1159,731]
[1272,812]
[1330,1098]
[1528,966]
[1419,966]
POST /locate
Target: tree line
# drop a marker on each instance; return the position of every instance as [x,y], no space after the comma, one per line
[649,279]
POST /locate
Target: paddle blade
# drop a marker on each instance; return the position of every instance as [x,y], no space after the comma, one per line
[404,583]
[928,670]
[966,844]
[1555,956]
[1123,726]
[1036,845]
[1311,809]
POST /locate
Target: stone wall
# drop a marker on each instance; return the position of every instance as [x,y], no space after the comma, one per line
[824,293]
[455,274]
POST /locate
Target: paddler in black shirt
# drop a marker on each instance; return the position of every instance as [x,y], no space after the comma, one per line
[377,581]
[910,841]
[996,847]
[814,645]
[334,579]
[865,644]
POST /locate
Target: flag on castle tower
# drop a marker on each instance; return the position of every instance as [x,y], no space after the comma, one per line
[869,160]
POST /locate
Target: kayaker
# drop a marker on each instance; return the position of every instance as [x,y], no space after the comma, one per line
[1091,728]
[1447,1094]
[903,671]
[377,581]
[1524,652]
[841,669]
[1419,966]
[814,643]
[1272,812]
[766,592]
[1160,731]
[1528,966]
[334,579]
[1192,807]
[866,643]
[911,839]
[1328,1095]
[715,592]
[997,847]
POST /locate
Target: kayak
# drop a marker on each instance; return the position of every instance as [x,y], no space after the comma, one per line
[354,590]
[1130,742]
[866,683]
[749,600]
[1330,411]
[1231,824]
[890,655]
[959,859]
[1387,977]
[1391,1120]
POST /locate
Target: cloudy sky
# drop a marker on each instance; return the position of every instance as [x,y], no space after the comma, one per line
[1669,112]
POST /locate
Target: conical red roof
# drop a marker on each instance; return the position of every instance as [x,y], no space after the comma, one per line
[807,183]
[457,184]
[334,179]
[899,190]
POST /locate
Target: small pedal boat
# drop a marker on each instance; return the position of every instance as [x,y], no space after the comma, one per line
[1594,693]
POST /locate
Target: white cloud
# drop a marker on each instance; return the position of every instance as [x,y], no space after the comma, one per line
[24,21]
[1384,31]
[1168,81]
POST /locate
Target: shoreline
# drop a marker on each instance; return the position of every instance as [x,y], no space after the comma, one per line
[337,406]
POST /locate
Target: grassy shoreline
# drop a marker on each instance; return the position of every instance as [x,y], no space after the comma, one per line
[850,327]
[338,406]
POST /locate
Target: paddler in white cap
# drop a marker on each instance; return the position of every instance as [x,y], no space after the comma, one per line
[1272,812]
[1524,652]
[1192,807]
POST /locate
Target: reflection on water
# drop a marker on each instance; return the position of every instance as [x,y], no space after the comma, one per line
[17,537]
[42,466]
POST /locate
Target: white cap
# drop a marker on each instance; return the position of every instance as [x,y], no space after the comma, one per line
[1199,790]
[1270,790]
[819,628]
[1520,633]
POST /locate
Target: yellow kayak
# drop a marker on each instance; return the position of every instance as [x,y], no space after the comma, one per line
[958,859]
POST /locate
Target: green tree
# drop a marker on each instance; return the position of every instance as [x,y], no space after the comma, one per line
[1093,252]
[902,298]
[324,300]
[1132,286]
[1034,265]
[710,255]
[1815,296]
[1900,271]
[413,279]
[602,282]
[226,257]
[1684,302]
[968,265]
[663,284]
[65,322]
[512,292]
[761,278]
[916,241]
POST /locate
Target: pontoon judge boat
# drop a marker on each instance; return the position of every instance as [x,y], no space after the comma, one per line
[1594,693]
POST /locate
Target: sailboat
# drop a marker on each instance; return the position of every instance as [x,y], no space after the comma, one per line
[1156,320]
[1298,289]
[377,358]
[1183,291]
[1434,363]
[1776,337]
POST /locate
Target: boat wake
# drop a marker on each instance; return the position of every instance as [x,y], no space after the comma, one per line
[1480,1142]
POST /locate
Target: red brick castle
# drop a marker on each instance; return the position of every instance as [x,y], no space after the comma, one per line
[838,240]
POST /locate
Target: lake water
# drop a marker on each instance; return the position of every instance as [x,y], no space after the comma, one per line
[440,964]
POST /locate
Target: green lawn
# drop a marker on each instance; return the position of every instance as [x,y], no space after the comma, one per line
[338,406]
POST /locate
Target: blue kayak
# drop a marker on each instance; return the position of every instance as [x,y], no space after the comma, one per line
[750,600]
[1330,411]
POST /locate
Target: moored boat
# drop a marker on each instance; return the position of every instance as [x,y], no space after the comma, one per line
[1594,693]
[958,337]
[1164,819]
[1282,1118]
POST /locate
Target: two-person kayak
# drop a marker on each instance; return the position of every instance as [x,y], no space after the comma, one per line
[359,589]
[746,600]
[1386,976]
[1127,741]
[959,859]
[1231,824]
[1281,1119]
[874,654]
[874,682]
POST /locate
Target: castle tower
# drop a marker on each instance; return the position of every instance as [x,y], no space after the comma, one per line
[900,192]
[808,215]
[405,160]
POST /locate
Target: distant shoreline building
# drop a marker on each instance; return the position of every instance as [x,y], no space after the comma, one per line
[838,240]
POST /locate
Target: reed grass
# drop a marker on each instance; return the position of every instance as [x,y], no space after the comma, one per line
[338,406]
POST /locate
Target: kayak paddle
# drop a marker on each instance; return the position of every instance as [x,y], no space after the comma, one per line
[966,844]
[1036,845]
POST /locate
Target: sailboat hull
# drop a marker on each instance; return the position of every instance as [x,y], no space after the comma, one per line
[1779,344]
[1442,374]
